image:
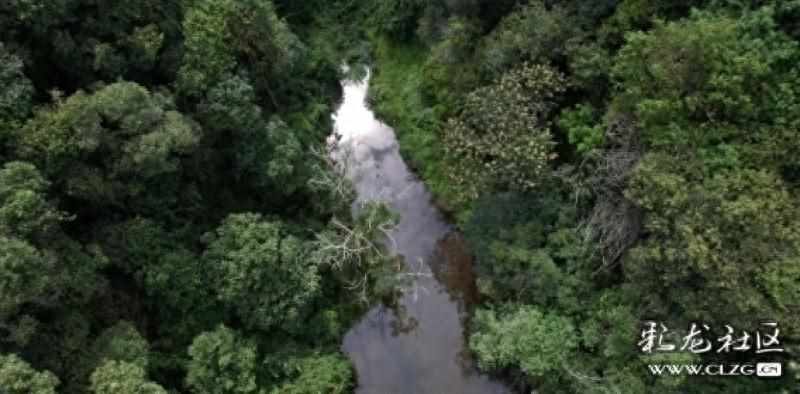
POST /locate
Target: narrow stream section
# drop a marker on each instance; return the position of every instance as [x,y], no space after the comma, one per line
[417,347]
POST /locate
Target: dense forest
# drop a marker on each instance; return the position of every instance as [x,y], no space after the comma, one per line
[610,163]
[168,216]
[170,221]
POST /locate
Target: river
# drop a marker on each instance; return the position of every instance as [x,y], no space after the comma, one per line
[417,347]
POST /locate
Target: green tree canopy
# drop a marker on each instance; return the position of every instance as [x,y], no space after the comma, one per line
[539,343]
[17,377]
[16,100]
[502,136]
[714,86]
[317,373]
[24,208]
[219,33]
[119,377]
[24,275]
[720,234]
[106,147]
[262,270]
[222,363]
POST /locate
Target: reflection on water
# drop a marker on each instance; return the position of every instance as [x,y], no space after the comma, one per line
[418,346]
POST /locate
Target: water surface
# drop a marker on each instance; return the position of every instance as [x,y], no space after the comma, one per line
[417,347]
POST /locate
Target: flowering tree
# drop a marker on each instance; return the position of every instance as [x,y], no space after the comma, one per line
[502,137]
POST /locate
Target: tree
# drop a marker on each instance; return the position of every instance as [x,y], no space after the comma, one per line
[397,19]
[509,235]
[354,251]
[268,154]
[154,257]
[582,128]
[721,234]
[107,147]
[116,40]
[218,33]
[710,95]
[715,83]
[502,136]
[262,270]
[25,211]
[536,342]
[122,342]
[25,275]
[222,363]
[16,100]
[532,33]
[119,377]
[317,373]
[17,377]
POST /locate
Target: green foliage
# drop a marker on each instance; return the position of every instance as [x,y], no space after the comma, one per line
[115,39]
[23,275]
[172,274]
[502,137]
[262,270]
[532,33]
[396,96]
[449,73]
[222,363]
[683,115]
[582,128]
[515,260]
[24,209]
[318,373]
[395,19]
[122,342]
[268,154]
[17,377]
[218,33]
[731,80]
[725,231]
[104,148]
[714,92]
[538,343]
[119,377]
[107,186]
[17,97]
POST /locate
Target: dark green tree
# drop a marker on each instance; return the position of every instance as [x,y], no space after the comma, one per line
[117,147]
[222,362]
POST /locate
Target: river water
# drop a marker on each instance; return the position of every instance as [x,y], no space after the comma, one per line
[418,346]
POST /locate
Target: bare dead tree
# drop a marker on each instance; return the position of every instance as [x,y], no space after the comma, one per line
[615,221]
[357,246]
[332,168]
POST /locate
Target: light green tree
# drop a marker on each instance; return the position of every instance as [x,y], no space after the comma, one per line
[120,377]
[317,373]
[536,342]
[17,377]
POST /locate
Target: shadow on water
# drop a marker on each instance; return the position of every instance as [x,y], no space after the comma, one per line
[418,345]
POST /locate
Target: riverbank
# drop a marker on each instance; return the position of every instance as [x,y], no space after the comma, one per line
[396,98]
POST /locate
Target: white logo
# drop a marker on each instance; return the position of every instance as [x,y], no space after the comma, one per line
[768,369]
